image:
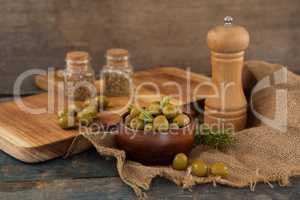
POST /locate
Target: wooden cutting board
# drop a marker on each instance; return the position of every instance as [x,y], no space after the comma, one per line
[37,137]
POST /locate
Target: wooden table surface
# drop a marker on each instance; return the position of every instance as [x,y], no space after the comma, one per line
[91,176]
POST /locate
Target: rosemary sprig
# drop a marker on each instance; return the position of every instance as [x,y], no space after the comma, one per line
[217,139]
[165,100]
[146,116]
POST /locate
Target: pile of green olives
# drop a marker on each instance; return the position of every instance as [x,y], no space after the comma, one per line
[199,168]
[159,116]
[83,112]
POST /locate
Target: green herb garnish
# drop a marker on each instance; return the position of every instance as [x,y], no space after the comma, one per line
[164,101]
[217,139]
[146,116]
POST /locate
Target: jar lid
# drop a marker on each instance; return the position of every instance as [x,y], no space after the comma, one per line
[117,58]
[78,56]
[117,53]
[228,38]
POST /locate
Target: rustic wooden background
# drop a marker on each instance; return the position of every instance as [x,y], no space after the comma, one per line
[38,33]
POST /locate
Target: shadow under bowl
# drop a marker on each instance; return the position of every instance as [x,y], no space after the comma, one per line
[155,148]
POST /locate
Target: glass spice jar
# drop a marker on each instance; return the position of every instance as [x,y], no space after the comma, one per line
[117,73]
[79,77]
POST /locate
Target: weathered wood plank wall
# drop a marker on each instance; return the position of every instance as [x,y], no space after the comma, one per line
[37,34]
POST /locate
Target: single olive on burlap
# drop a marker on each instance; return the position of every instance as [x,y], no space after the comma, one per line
[262,153]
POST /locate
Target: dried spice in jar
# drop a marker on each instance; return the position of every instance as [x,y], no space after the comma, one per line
[79,77]
[117,73]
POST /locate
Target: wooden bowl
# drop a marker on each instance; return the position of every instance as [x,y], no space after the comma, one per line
[155,148]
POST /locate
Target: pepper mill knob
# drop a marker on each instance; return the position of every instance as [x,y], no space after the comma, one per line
[228,108]
[228,20]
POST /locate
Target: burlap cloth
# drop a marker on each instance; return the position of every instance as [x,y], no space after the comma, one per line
[261,153]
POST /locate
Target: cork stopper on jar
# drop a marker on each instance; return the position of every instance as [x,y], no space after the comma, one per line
[77,59]
[228,38]
[117,57]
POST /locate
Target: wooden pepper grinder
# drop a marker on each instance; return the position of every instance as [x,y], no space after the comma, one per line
[228,109]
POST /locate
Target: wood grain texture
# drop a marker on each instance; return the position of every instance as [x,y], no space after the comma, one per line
[19,180]
[85,164]
[227,44]
[88,175]
[35,34]
[38,137]
[26,136]
[113,188]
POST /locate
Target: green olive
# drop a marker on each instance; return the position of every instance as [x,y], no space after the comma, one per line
[92,110]
[137,124]
[174,126]
[87,115]
[91,104]
[85,119]
[141,116]
[73,109]
[70,111]
[66,122]
[79,105]
[148,127]
[181,120]
[102,102]
[160,123]
[170,111]
[180,161]
[199,168]
[154,108]
[127,120]
[219,169]
[63,113]
[134,112]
